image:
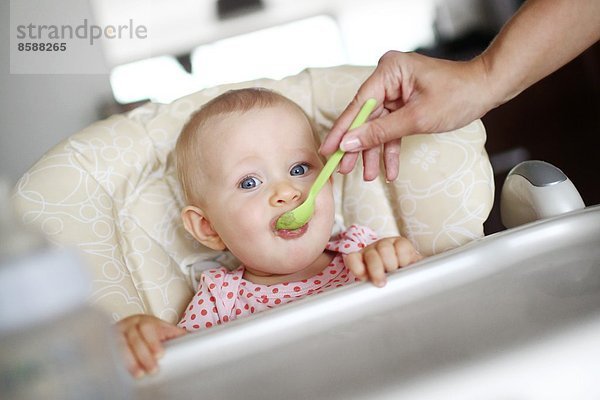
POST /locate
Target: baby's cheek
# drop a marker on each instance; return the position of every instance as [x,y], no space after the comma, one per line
[247,217]
[324,204]
[242,230]
[247,235]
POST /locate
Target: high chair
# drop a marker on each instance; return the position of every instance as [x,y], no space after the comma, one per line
[511,315]
[111,191]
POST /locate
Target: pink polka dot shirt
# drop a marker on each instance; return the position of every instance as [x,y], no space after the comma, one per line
[225,295]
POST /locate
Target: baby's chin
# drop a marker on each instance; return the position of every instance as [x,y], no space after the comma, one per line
[291,264]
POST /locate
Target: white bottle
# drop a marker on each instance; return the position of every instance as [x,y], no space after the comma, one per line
[53,344]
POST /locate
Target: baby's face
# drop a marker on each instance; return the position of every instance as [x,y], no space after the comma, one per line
[258,165]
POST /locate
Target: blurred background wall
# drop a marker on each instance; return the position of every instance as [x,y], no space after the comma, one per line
[193,44]
[37,111]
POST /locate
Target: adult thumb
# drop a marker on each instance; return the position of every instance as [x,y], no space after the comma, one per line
[378,131]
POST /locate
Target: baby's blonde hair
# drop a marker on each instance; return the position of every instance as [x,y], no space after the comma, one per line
[233,101]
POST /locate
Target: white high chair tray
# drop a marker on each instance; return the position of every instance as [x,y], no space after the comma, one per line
[513,315]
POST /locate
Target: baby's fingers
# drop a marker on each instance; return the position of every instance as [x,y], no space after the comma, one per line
[355,264]
[131,362]
[375,267]
[366,265]
[387,253]
[405,252]
[141,351]
[152,340]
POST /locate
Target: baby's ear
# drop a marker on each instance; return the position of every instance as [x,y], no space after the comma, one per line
[196,223]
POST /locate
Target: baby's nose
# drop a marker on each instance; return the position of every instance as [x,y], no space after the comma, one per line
[285,193]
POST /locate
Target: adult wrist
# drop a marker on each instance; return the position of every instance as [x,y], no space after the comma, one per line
[494,83]
[484,84]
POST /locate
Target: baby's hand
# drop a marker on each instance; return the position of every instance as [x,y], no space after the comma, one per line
[385,255]
[142,336]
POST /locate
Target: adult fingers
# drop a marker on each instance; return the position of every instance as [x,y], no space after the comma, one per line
[371,163]
[380,131]
[331,142]
[391,159]
[372,88]
[348,162]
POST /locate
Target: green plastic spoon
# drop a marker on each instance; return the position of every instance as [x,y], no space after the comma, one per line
[300,215]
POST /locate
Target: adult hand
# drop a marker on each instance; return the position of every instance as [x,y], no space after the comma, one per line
[415,94]
[419,94]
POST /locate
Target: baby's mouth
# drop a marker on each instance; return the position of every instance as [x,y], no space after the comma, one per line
[288,233]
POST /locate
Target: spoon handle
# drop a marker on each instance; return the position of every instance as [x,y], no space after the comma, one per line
[336,157]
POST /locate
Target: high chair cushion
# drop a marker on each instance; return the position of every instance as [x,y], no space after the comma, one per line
[111,191]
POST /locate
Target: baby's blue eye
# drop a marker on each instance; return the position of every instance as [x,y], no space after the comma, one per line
[249,183]
[299,169]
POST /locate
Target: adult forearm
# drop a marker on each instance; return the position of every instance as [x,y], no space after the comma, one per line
[541,37]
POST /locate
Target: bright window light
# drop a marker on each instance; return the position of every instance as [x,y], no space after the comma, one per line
[160,79]
[358,35]
[392,25]
[270,53]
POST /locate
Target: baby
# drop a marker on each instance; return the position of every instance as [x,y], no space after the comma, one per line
[244,159]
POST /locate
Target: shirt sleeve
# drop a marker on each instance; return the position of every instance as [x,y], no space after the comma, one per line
[353,239]
[202,312]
